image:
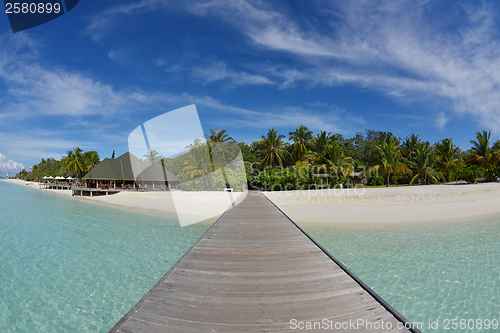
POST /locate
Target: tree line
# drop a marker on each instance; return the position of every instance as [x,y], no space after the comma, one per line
[76,163]
[383,157]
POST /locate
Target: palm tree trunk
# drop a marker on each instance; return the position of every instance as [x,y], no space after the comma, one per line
[206,182]
[388,175]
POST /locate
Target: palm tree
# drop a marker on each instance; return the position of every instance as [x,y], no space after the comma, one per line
[338,161]
[198,161]
[420,162]
[74,161]
[447,157]
[221,153]
[273,150]
[409,145]
[222,150]
[218,136]
[389,156]
[152,155]
[321,146]
[302,138]
[91,159]
[482,154]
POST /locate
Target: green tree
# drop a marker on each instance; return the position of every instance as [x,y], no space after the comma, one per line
[247,152]
[420,162]
[74,162]
[301,138]
[152,156]
[272,149]
[198,163]
[91,159]
[321,146]
[409,144]
[222,151]
[218,136]
[339,163]
[483,154]
[447,157]
[221,147]
[389,157]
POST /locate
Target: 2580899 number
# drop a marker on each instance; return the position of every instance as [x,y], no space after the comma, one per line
[25,8]
[470,324]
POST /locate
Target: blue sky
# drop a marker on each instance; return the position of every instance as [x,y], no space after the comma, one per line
[90,77]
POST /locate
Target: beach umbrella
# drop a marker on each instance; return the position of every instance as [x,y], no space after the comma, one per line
[51,177]
[44,177]
[69,178]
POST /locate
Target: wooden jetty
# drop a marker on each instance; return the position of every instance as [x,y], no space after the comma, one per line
[254,270]
[54,186]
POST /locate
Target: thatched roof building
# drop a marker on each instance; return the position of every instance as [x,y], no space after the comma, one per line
[122,170]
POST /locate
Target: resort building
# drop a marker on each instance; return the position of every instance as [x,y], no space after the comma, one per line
[118,174]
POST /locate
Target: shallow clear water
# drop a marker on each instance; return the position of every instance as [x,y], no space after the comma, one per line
[67,265]
[428,272]
[70,266]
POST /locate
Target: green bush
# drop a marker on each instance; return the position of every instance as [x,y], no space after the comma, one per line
[440,177]
[279,179]
[376,180]
[469,173]
[216,181]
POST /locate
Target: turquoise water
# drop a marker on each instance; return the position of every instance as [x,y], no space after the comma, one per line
[67,265]
[433,272]
[70,266]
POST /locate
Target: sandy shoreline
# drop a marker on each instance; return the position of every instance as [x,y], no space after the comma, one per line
[391,206]
[347,207]
[208,205]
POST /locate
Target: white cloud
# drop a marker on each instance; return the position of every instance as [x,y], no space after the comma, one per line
[334,120]
[218,71]
[441,120]
[391,46]
[317,116]
[160,62]
[7,165]
[118,56]
[37,91]
[101,23]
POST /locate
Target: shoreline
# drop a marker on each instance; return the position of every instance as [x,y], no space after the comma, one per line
[160,203]
[361,207]
[393,206]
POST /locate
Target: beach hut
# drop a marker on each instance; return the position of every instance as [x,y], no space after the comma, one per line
[321,176]
[358,178]
[119,173]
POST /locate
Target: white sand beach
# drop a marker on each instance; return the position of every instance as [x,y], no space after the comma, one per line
[347,207]
[390,206]
[188,205]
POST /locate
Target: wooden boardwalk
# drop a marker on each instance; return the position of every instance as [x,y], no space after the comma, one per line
[254,270]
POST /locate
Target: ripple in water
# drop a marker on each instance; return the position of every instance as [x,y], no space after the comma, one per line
[428,272]
[71,266]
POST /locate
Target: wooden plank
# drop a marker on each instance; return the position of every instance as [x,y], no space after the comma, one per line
[255,271]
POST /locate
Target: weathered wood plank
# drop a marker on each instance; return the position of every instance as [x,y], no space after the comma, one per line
[255,271]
